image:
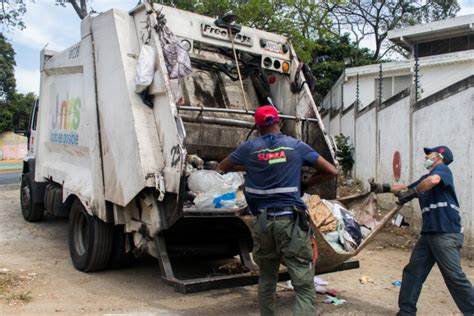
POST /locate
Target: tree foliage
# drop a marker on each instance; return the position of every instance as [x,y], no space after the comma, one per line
[344,153]
[7,68]
[332,55]
[15,113]
[368,18]
[14,107]
[11,13]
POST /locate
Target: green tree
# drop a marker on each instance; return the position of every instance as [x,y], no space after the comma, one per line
[330,56]
[15,112]
[344,153]
[369,18]
[7,68]
[11,13]
[14,107]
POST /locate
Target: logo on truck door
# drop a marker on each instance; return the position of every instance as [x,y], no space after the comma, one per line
[65,121]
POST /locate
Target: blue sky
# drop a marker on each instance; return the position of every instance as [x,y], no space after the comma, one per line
[59,28]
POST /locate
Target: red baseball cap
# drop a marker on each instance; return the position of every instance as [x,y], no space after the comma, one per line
[266,115]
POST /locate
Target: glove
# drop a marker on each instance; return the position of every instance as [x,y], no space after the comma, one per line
[379,188]
[406,196]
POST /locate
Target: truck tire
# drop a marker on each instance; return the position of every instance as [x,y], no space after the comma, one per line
[32,212]
[90,240]
[120,258]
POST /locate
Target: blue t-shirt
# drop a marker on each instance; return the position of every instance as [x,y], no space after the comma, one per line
[273,170]
[439,206]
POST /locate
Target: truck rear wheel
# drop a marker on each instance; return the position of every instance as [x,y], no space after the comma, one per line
[32,212]
[90,240]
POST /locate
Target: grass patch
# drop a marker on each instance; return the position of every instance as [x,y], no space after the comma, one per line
[8,283]
[19,298]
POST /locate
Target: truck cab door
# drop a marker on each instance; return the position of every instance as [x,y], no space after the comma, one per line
[31,133]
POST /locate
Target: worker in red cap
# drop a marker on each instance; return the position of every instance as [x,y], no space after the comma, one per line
[441,234]
[273,163]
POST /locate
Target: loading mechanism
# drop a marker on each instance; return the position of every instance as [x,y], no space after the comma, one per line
[197,284]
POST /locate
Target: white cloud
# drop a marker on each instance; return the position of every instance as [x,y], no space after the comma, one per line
[27,80]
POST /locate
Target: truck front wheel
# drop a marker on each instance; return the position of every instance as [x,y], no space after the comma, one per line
[32,212]
[90,240]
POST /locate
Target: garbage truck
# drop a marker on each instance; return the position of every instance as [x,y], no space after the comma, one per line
[114,161]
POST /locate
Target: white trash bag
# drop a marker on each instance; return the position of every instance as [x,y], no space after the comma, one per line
[202,181]
[145,68]
[215,190]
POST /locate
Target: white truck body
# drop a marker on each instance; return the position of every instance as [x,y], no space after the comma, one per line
[99,143]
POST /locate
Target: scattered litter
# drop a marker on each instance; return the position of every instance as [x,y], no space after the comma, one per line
[319,286]
[397,283]
[4,271]
[320,289]
[365,279]
[365,231]
[334,300]
[331,292]
[398,220]
[321,215]
[319,281]
[233,268]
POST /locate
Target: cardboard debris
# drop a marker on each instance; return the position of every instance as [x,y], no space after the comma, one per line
[321,216]
[365,279]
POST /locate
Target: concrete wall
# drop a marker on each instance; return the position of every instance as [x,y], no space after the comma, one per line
[450,122]
[365,146]
[451,67]
[347,123]
[366,90]
[435,76]
[394,126]
[401,124]
[334,125]
[325,119]
[12,146]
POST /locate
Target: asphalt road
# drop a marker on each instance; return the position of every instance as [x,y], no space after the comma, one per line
[10,177]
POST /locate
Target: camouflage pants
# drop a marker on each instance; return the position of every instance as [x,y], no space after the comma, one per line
[283,239]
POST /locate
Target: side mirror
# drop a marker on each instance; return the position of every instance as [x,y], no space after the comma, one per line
[20,131]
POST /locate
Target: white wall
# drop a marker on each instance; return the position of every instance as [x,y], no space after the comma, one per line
[347,124]
[365,156]
[326,123]
[449,122]
[434,78]
[393,125]
[335,126]
[350,91]
[366,90]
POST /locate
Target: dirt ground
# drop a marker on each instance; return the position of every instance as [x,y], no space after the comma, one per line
[37,277]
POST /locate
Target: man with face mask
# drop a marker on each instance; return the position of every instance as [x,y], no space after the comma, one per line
[441,234]
[273,165]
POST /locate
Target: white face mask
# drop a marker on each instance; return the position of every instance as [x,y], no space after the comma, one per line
[428,163]
[431,161]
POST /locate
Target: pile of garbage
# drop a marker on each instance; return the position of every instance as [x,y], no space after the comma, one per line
[209,189]
[336,223]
